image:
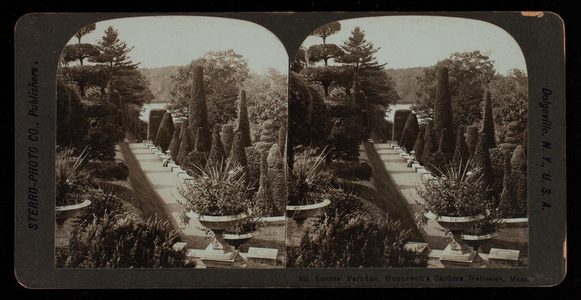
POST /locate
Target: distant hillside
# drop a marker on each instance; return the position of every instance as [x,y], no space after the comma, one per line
[160,79]
[405,80]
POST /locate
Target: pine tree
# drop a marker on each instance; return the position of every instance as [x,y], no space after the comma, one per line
[242,123]
[165,132]
[488,122]
[443,110]
[217,156]
[410,132]
[359,53]
[198,112]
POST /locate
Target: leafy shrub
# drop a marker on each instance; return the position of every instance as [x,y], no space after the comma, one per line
[354,240]
[71,181]
[308,181]
[123,241]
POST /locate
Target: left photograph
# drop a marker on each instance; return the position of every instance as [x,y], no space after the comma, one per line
[171,138]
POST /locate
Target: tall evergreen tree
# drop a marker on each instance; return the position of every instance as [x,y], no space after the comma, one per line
[443,109]
[400,117]
[488,122]
[198,113]
[359,53]
[114,54]
[242,123]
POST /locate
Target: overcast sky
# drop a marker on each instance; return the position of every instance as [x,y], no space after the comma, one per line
[405,41]
[411,41]
[177,40]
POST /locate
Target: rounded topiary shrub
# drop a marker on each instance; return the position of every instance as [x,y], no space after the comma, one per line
[155,116]
[400,117]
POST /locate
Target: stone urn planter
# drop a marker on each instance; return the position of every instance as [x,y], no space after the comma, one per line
[62,214]
[457,253]
[219,253]
[300,213]
[475,241]
[237,240]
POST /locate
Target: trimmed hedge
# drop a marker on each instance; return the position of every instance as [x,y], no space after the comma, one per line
[155,116]
[165,132]
[410,133]
[400,117]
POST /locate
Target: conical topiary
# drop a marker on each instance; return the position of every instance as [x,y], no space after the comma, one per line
[242,122]
[174,145]
[438,161]
[482,164]
[471,138]
[217,157]
[282,140]
[507,207]
[430,144]
[264,203]
[227,137]
[165,132]
[443,109]
[518,173]
[186,143]
[410,132]
[419,145]
[488,122]
[461,153]
[198,112]
[238,153]
[276,175]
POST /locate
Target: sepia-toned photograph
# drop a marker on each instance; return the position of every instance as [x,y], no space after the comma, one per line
[170,136]
[409,136]
[290,150]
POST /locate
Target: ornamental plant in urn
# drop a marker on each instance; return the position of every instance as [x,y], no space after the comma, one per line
[219,197]
[308,185]
[71,185]
[456,200]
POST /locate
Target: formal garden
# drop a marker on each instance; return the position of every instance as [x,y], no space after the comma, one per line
[465,135]
[312,179]
[224,127]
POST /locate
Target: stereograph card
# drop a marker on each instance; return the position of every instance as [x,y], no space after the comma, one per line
[295,150]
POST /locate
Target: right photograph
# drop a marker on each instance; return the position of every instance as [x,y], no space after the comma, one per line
[407,146]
